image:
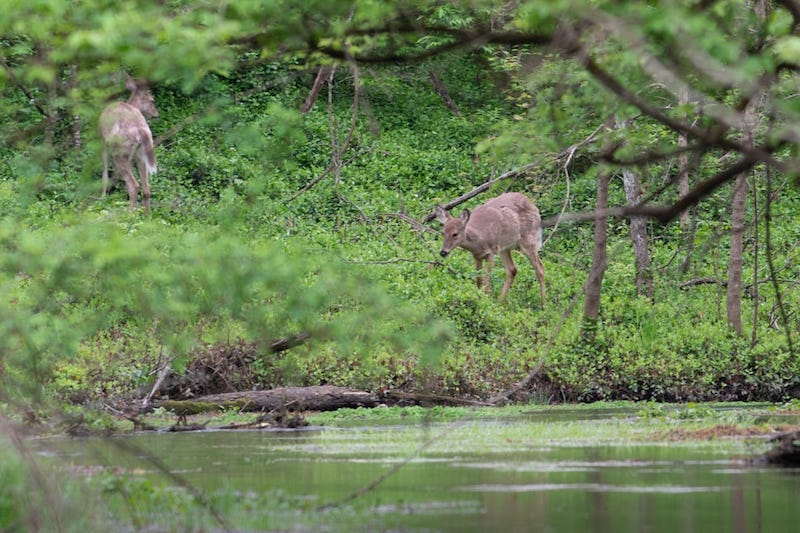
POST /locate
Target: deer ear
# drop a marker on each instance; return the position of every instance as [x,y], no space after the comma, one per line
[130,83]
[464,216]
[441,214]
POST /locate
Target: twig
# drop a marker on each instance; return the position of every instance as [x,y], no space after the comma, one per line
[771,265]
[337,150]
[570,154]
[513,173]
[702,281]
[395,262]
[410,221]
[162,374]
[480,188]
[286,343]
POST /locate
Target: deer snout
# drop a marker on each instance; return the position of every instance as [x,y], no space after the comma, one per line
[444,253]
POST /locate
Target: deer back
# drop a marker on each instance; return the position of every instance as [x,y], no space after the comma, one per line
[123,126]
[497,225]
[500,224]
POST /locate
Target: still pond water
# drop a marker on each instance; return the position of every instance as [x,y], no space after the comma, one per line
[548,471]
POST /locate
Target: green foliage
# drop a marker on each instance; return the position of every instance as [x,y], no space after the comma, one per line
[96,299]
[65,285]
[14,492]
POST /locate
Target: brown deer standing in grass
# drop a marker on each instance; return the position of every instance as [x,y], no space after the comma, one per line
[127,138]
[500,225]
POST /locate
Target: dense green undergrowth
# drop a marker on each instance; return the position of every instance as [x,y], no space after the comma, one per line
[95,299]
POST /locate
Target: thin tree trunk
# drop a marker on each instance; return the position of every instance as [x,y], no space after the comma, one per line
[644,277]
[754,335]
[591,308]
[76,119]
[445,96]
[733,300]
[51,121]
[683,163]
[594,284]
[323,74]
[733,297]
[688,222]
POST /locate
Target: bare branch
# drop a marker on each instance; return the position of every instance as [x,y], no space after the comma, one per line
[286,343]
[568,153]
[480,188]
[461,39]
[665,213]
[21,87]
[443,94]
[323,73]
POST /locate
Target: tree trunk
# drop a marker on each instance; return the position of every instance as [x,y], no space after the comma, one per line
[734,295]
[594,284]
[733,298]
[76,119]
[633,193]
[591,308]
[687,219]
[683,164]
[756,298]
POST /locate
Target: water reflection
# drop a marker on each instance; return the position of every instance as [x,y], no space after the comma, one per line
[495,476]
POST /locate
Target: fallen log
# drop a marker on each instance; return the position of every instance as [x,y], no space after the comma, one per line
[425,399]
[786,451]
[315,398]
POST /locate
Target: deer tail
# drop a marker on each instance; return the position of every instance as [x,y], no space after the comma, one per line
[537,235]
[150,154]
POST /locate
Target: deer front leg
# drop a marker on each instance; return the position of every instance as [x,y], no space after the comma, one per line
[480,279]
[485,278]
[539,267]
[105,172]
[531,251]
[511,272]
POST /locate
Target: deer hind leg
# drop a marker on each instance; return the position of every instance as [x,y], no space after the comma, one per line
[531,251]
[124,166]
[144,176]
[106,181]
[511,272]
[133,188]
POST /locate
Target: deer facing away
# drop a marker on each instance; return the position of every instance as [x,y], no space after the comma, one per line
[500,225]
[128,140]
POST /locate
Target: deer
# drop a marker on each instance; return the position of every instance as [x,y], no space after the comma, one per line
[504,223]
[128,140]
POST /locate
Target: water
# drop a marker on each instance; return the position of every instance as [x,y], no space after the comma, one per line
[538,473]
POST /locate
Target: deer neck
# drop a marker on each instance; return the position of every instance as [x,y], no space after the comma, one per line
[472,242]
